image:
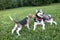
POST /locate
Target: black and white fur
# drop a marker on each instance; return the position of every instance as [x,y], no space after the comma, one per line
[44,18]
[18,25]
[38,19]
[48,18]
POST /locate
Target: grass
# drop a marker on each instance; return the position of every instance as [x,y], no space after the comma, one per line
[51,32]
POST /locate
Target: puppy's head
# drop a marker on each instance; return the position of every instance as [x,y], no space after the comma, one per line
[40,12]
[49,15]
[31,15]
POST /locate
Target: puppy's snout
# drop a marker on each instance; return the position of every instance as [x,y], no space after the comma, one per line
[30,15]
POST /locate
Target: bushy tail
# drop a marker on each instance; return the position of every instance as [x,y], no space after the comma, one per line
[12,19]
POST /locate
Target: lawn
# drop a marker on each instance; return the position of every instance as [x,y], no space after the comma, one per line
[52,32]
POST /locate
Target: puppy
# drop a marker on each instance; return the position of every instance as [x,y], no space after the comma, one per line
[18,25]
[38,19]
[39,22]
[48,18]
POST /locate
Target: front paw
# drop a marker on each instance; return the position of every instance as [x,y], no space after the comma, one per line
[34,29]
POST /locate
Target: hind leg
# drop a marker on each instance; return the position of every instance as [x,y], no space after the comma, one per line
[50,21]
[18,29]
[14,28]
[54,22]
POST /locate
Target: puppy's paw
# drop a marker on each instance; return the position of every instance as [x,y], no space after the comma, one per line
[19,35]
[55,23]
[34,29]
[43,28]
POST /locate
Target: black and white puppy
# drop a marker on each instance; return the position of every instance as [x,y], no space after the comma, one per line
[48,18]
[40,19]
[18,25]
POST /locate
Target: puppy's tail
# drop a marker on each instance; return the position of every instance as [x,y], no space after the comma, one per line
[12,19]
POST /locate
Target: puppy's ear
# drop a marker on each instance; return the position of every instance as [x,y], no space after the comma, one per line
[36,10]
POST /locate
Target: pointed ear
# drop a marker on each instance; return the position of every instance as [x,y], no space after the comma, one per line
[36,10]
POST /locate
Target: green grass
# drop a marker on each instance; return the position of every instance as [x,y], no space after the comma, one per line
[51,32]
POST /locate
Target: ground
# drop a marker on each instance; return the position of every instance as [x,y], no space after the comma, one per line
[52,32]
